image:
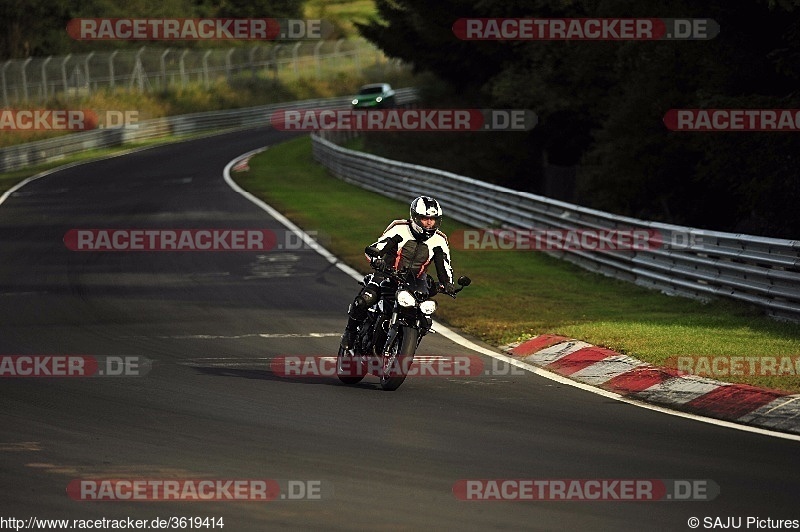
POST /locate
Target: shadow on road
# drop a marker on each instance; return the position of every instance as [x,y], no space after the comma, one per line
[268,375]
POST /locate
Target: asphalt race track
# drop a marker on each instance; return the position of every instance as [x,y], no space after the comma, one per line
[211,408]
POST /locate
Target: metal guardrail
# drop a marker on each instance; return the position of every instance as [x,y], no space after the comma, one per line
[22,155]
[757,270]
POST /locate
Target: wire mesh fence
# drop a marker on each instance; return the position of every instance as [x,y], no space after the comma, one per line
[37,79]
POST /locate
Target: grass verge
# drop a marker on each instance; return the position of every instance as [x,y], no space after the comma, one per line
[519,294]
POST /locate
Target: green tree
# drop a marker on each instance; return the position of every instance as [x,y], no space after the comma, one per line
[32,27]
[260,8]
[601,104]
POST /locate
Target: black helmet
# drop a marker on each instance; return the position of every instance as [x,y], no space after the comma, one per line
[424,207]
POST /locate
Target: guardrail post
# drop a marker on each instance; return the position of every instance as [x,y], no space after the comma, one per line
[206,81]
[25,79]
[163,62]
[138,73]
[295,48]
[336,52]
[274,60]
[5,87]
[86,69]
[44,77]
[64,72]
[316,58]
[182,66]
[228,64]
[112,81]
[252,59]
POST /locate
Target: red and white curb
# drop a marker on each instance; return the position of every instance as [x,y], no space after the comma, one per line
[242,163]
[667,387]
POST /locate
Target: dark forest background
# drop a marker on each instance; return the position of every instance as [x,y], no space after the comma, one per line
[600,140]
[601,105]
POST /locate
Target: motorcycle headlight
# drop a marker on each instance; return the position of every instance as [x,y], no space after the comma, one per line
[428,307]
[406,298]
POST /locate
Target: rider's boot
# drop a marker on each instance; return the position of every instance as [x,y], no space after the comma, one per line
[357,313]
[349,336]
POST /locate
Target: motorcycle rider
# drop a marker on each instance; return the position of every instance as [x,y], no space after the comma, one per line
[413,243]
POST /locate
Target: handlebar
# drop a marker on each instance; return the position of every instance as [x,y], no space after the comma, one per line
[453,295]
[399,276]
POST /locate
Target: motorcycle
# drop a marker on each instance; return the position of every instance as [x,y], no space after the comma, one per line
[386,341]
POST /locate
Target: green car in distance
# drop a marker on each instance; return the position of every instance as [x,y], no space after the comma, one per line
[374,96]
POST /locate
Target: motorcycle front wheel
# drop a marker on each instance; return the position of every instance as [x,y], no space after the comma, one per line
[398,358]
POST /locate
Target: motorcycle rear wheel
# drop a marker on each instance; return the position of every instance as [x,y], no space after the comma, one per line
[349,368]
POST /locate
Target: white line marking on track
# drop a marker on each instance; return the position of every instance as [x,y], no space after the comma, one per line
[238,336]
[456,338]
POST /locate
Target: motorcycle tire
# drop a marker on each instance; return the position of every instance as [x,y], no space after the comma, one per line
[349,368]
[404,346]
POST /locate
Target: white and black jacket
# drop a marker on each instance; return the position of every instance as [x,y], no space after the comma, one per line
[403,250]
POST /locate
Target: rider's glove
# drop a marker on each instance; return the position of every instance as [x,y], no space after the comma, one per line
[448,288]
